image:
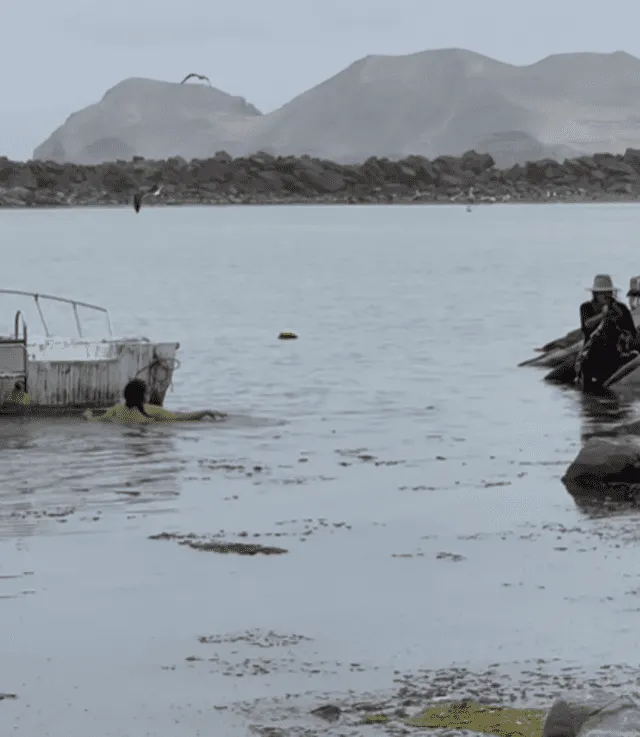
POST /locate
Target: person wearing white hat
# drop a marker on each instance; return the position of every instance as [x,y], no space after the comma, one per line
[603,298]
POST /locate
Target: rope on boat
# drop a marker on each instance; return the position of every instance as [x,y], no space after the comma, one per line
[168,365]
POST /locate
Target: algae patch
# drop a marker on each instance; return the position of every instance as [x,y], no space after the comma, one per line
[376,719]
[468,715]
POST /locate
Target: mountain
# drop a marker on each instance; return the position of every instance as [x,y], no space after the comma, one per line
[431,103]
[153,119]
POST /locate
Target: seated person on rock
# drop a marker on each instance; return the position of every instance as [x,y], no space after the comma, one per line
[603,297]
[611,342]
[135,410]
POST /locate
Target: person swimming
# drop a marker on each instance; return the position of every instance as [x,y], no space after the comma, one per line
[136,410]
[19,394]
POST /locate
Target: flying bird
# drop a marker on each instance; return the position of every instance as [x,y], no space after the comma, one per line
[197,76]
[137,197]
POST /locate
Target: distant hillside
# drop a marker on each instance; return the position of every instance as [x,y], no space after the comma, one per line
[430,103]
[153,119]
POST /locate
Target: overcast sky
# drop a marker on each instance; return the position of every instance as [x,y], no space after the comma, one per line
[60,55]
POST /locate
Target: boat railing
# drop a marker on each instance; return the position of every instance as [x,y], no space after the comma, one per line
[36,296]
[16,327]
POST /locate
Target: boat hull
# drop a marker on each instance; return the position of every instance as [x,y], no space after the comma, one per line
[66,376]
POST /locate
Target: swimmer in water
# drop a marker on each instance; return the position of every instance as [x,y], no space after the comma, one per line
[135,410]
[18,394]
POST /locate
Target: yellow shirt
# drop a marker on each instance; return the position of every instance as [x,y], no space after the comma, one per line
[123,414]
[18,396]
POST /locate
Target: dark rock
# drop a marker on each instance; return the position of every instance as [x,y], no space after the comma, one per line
[23,178]
[632,157]
[515,173]
[222,157]
[568,717]
[211,170]
[449,180]
[612,165]
[604,461]
[329,712]
[321,181]
[263,177]
[272,180]
[477,163]
[425,170]
[115,178]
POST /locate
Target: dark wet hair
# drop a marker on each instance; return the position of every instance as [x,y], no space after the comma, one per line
[155,398]
[134,394]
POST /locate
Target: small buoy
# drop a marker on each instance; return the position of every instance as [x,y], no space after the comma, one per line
[287,336]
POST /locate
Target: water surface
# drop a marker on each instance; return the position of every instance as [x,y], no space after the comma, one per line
[399,412]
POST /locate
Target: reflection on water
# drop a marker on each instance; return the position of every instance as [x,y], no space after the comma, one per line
[409,432]
[58,469]
[601,413]
[623,503]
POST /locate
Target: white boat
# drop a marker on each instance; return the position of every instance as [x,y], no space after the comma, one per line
[53,375]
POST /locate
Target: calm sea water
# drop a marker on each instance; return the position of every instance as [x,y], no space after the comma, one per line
[411,322]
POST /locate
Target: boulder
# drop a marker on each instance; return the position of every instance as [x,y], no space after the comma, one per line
[477,163]
[271,180]
[22,178]
[210,170]
[325,181]
[614,166]
[222,157]
[424,169]
[515,173]
[605,461]
[449,180]
[632,157]
[117,179]
[446,178]
[594,714]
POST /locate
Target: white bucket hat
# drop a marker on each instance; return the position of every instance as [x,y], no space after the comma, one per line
[602,283]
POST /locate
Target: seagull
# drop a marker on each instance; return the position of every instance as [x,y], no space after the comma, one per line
[197,76]
[137,197]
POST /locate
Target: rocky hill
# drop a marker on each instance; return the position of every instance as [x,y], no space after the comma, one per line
[265,179]
[152,119]
[430,103]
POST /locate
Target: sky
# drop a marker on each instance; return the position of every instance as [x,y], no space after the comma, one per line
[59,56]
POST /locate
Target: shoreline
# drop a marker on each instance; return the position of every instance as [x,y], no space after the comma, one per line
[263,179]
[530,685]
[316,202]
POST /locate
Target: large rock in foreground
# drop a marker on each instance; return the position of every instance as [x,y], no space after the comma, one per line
[604,463]
[263,178]
[593,714]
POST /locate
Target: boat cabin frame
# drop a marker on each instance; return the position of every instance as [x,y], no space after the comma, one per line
[37,296]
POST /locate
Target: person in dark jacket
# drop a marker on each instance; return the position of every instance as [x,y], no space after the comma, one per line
[609,332]
[603,298]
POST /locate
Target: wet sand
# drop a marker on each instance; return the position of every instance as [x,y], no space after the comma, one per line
[372,604]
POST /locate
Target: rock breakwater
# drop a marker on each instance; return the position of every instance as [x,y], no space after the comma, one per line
[265,179]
